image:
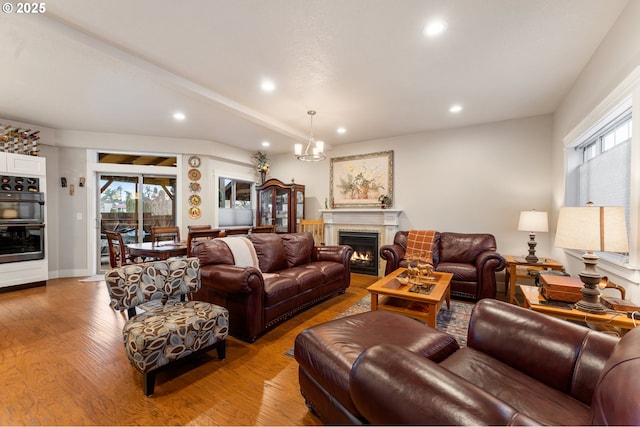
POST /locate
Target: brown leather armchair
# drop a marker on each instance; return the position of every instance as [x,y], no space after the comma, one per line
[520,367]
[471,258]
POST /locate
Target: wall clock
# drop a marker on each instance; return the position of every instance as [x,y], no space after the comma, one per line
[194,161]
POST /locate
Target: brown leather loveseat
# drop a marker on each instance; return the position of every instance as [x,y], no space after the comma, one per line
[471,258]
[293,274]
[520,367]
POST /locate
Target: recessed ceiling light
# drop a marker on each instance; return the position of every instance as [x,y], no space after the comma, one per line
[268,86]
[265,143]
[435,28]
[455,108]
[341,130]
[179,116]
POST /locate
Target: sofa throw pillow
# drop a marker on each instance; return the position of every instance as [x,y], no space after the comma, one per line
[212,251]
[270,250]
[420,245]
[299,247]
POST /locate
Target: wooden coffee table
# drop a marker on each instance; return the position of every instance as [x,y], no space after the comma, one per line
[396,297]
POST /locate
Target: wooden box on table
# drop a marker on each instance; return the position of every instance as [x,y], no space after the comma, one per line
[561,288]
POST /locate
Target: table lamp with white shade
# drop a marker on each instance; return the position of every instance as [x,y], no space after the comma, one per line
[592,228]
[533,221]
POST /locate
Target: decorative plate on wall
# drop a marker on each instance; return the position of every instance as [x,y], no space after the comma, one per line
[194,187]
[194,174]
[195,212]
[194,200]
[194,161]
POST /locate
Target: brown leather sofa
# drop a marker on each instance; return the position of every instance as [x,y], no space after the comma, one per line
[520,367]
[294,274]
[471,258]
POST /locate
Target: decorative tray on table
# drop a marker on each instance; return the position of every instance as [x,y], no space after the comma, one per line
[422,288]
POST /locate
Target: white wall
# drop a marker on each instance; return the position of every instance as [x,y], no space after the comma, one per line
[470,179]
[617,56]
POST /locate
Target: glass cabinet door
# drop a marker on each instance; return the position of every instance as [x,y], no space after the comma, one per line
[266,207]
[299,207]
[282,211]
[280,205]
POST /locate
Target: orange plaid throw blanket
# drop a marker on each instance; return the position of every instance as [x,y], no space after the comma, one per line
[420,244]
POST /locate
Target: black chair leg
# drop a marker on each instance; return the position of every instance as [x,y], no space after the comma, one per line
[149,382]
[221,348]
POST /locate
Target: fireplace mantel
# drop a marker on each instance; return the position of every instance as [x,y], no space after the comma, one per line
[388,219]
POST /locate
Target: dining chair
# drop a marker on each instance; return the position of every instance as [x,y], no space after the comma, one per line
[161,234]
[315,227]
[237,231]
[199,227]
[118,253]
[263,229]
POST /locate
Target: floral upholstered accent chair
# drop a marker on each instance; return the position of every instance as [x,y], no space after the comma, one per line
[169,328]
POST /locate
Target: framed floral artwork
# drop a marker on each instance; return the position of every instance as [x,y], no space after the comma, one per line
[361,180]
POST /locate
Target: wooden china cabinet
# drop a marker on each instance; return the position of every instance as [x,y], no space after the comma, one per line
[280,204]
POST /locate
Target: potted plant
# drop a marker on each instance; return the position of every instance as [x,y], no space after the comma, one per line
[385,200]
[262,164]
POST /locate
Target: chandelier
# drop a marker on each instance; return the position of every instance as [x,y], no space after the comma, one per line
[314,151]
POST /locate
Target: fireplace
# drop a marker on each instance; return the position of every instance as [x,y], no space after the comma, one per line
[365,250]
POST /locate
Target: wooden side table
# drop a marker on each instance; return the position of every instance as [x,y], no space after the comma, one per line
[511,272]
[536,302]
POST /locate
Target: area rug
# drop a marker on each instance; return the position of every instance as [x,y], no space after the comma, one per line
[454,321]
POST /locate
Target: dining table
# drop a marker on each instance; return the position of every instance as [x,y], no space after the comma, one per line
[158,251]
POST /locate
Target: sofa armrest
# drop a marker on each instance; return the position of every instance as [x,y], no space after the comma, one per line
[334,253]
[487,263]
[418,391]
[231,279]
[560,354]
[393,254]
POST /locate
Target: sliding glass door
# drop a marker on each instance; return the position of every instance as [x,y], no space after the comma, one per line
[131,205]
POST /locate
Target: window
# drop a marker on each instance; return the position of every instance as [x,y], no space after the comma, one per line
[235,203]
[137,159]
[617,133]
[602,166]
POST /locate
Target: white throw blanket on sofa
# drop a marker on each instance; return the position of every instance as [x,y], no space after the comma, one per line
[244,254]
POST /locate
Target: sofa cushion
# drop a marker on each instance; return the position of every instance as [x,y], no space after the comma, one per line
[331,270]
[305,278]
[464,248]
[270,250]
[212,251]
[298,247]
[541,402]
[278,288]
[461,272]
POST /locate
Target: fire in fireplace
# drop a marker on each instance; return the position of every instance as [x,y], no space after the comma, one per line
[365,250]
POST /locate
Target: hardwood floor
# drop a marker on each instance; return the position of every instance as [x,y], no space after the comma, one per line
[63,363]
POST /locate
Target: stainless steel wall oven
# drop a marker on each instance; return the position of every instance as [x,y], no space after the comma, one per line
[21,219]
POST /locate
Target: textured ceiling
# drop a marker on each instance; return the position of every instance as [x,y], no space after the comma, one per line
[125,67]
